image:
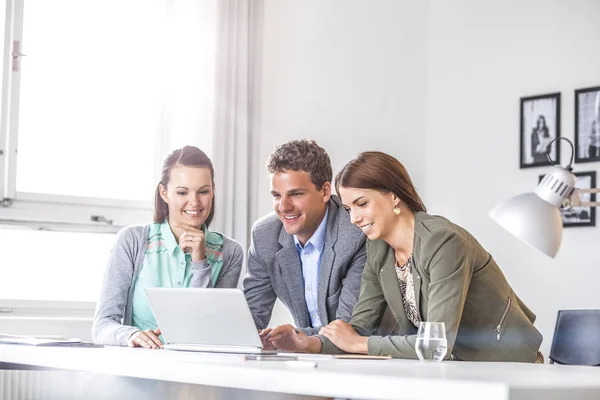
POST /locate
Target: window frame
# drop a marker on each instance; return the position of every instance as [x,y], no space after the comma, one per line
[63,318]
[37,308]
[44,210]
[13,30]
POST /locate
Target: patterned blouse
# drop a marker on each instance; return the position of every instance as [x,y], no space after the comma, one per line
[407,288]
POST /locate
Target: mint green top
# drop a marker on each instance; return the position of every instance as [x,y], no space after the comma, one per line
[166,265]
[113,319]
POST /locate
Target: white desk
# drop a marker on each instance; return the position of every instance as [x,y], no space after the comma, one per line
[379,379]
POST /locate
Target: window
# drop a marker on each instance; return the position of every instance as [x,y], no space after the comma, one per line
[103,91]
[95,94]
[61,266]
[95,91]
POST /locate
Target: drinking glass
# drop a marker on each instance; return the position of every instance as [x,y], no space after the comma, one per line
[431,344]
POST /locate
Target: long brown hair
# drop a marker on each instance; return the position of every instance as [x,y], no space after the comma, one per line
[188,156]
[379,171]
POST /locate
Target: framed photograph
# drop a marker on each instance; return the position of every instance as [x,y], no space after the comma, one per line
[540,124]
[581,216]
[587,125]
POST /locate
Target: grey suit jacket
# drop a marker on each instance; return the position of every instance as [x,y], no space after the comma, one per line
[275,270]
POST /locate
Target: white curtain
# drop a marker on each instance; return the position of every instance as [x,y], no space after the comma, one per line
[235,143]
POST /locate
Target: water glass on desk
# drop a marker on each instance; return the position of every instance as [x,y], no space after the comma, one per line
[431,344]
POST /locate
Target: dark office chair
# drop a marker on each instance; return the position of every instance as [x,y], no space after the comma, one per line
[576,338]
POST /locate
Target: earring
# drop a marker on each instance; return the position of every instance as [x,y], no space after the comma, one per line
[397,210]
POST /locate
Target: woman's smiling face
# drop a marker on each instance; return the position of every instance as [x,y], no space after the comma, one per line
[189,195]
[370,210]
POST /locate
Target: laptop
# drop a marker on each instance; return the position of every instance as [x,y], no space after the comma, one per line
[208,320]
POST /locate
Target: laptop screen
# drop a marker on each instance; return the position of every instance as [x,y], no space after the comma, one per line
[215,317]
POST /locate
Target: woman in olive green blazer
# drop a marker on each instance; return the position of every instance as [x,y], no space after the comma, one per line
[454,279]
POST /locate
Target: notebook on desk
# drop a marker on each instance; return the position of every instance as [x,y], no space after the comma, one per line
[207,320]
[44,341]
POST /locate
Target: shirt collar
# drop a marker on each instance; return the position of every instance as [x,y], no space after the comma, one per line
[317,240]
[167,236]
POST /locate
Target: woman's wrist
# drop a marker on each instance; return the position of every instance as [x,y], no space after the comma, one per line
[199,256]
[361,345]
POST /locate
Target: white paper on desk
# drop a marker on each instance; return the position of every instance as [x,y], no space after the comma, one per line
[36,340]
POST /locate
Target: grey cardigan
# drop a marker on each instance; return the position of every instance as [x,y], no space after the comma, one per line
[112,320]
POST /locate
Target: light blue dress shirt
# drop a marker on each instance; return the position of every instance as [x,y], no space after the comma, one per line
[310,257]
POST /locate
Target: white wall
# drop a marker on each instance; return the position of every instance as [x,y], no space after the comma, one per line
[346,73]
[483,56]
[437,84]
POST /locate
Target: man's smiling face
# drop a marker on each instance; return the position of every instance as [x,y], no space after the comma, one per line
[298,203]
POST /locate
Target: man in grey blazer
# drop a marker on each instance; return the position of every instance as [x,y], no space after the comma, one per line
[306,252]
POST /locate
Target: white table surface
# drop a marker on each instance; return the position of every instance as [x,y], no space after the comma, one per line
[372,379]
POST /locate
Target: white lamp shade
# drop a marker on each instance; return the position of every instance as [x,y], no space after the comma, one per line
[532,220]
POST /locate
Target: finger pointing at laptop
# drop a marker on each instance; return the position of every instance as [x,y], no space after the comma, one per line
[264,338]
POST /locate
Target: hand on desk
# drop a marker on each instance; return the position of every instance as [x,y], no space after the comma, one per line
[344,337]
[285,337]
[148,339]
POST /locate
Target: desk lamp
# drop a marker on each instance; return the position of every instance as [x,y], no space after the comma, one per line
[535,217]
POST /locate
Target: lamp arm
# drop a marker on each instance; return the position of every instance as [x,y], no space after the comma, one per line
[593,190]
[549,149]
[590,204]
[575,199]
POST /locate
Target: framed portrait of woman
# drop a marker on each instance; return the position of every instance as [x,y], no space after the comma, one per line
[587,125]
[540,124]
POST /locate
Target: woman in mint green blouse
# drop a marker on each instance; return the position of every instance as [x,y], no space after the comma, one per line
[176,250]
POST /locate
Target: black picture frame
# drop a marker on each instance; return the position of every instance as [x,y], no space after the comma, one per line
[540,123]
[587,125]
[581,216]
